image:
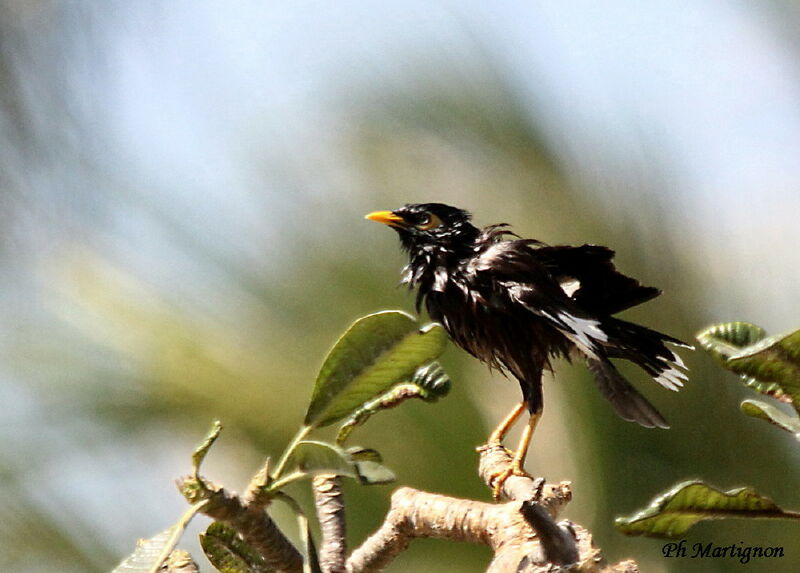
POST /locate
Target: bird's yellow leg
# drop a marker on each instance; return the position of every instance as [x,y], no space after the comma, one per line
[518,461]
[524,443]
[502,429]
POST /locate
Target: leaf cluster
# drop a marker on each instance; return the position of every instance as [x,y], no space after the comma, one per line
[381,361]
[770,365]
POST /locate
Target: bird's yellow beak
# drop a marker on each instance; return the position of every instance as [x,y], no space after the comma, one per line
[387,218]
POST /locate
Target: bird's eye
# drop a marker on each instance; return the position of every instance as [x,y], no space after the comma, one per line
[429,221]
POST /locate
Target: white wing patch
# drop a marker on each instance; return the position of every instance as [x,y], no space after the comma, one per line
[587,335]
[582,332]
[570,286]
[671,377]
[677,360]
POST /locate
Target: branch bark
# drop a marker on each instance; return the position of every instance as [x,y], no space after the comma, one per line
[251,522]
[522,533]
[330,513]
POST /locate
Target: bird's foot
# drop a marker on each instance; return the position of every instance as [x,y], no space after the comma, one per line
[497,480]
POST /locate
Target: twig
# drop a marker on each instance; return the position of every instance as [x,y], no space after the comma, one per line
[330,513]
[254,495]
[252,523]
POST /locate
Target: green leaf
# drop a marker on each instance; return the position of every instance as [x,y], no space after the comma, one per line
[432,381]
[774,359]
[373,473]
[369,466]
[773,415]
[229,553]
[674,512]
[150,554]
[724,340]
[769,365]
[377,351]
[429,383]
[201,450]
[727,339]
[359,454]
[312,457]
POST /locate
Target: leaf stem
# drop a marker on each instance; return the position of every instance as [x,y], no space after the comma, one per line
[279,484]
[302,433]
[177,532]
[311,562]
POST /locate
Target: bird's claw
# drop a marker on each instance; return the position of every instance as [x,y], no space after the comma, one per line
[497,480]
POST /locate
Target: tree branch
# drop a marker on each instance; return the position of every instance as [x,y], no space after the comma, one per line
[330,513]
[415,513]
[522,533]
[252,523]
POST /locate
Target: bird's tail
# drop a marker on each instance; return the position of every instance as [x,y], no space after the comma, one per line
[648,349]
[624,398]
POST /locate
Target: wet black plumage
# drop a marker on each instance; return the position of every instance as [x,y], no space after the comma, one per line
[518,303]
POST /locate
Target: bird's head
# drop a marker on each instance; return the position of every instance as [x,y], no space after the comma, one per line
[429,226]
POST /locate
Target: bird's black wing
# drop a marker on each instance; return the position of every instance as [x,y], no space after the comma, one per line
[515,271]
[528,280]
[592,280]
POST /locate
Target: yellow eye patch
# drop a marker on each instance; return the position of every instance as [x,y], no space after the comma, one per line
[431,221]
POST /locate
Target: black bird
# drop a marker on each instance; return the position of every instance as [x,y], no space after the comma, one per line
[516,304]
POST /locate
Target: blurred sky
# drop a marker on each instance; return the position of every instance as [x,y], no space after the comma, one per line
[707,89]
[226,119]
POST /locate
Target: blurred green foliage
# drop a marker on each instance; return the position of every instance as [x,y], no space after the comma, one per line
[771,366]
[382,360]
[132,324]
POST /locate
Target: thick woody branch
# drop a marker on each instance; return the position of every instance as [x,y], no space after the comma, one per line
[522,533]
[555,543]
[252,523]
[494,458]
[540,503]
[415,514]
[330,513]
